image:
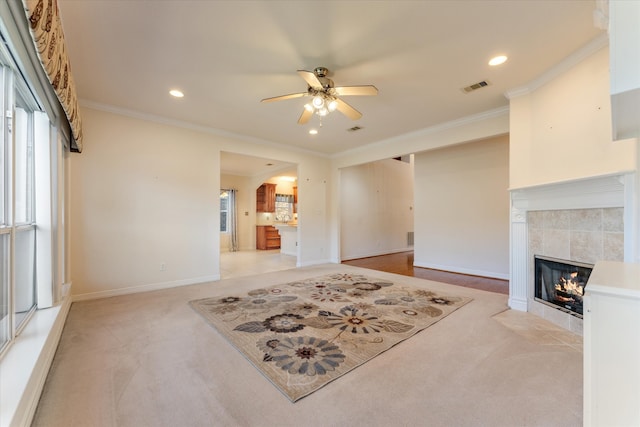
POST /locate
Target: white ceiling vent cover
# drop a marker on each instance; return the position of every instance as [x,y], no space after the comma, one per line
[475,86]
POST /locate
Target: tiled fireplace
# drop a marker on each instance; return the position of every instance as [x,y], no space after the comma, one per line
[580,222]
[561,283]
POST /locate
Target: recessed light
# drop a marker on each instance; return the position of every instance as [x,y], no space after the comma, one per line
[176,93]
[498,60]
[313,131]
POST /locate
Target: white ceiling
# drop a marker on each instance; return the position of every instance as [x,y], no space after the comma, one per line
[228,55]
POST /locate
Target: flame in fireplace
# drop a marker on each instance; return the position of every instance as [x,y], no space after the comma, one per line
[570,286]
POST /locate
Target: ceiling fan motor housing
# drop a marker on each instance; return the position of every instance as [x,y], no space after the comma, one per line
[321,71]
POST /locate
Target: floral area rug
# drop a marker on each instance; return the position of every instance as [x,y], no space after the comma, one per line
[302,335]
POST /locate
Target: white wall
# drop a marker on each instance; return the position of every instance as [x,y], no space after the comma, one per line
[562,130]
[462,208]
[376,208]
[144,194]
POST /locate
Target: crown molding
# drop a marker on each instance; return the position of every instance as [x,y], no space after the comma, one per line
[566,64]
[452,124]
[190,126]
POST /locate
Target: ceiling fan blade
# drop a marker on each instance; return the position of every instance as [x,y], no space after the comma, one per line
[348,110]
[305,116]
[283,97]
[364,90]
[311,79]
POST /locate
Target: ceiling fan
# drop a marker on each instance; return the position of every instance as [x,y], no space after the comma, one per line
[325,96]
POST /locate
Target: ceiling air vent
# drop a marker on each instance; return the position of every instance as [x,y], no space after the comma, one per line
[353,129]
[475,86]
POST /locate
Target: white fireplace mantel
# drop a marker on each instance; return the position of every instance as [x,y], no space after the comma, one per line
[590,193]
[609,191]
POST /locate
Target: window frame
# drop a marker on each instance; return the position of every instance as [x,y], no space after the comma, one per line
[18,102]
[224,213]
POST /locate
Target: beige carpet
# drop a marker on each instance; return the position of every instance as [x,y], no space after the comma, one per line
[147,360]
[304,334]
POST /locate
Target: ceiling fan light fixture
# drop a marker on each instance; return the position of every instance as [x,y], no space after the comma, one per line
[325,97]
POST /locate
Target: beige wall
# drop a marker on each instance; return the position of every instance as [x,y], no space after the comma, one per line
[144,210]
[143,206]
[462,208]
[376,206]
[486,125]
[562,131]
[141,193]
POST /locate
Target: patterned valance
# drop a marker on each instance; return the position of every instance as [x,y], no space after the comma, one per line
[285,198]
[46,30]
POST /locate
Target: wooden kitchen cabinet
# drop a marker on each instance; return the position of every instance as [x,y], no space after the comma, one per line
[266,198]
[267,237]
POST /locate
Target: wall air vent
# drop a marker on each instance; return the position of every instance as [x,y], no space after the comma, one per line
[475,86]
[410,238]
[353,129]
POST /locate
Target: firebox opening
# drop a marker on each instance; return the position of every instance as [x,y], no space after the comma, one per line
[560,283]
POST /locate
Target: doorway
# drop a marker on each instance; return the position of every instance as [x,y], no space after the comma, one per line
[245,174]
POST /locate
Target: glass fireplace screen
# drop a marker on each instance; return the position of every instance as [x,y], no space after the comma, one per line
[561,283]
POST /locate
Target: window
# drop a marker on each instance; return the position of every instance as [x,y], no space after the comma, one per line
[284,207]
[24,226]
[18,293]
[224,211]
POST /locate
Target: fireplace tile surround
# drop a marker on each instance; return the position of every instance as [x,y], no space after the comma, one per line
[584,235]
[585,220]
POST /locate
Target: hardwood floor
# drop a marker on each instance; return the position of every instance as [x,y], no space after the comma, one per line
[402,263]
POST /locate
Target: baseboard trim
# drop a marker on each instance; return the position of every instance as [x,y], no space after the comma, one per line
[27,363]
[518,304]
[378,253]
[144,288]
[469,271]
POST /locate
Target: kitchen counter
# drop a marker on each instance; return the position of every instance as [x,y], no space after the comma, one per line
[288,238]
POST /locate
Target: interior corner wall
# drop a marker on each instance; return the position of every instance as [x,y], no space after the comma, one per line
[462,208]
[376,208]
[144,207]
[562,131]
